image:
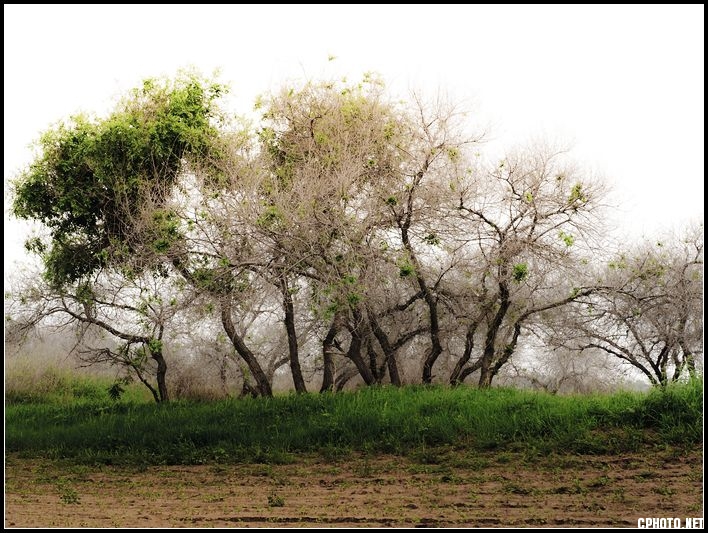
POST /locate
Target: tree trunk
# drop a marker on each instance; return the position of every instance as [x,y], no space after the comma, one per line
[486,370]
[372,356]
[688,360]
[354,352]
[506,353]
[432,303]
[161,375]
[393,373]
[456,375]
[469,370]
[298,380]
[247,355]
[388,350]
[343,378]
[327,345]
[144,381]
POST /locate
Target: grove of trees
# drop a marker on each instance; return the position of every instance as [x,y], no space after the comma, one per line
[343,237]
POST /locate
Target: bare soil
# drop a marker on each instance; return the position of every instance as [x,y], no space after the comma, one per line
[430,489]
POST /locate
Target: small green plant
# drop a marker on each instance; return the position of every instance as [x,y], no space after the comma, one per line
[426,456]
[275,501]
[645,475]
[567,238]
[515,488]
[695,508]
[578,487]
[364,468]
[334,453]
[68,495]
[405,269]
[599,482]
[577,194]
[449,477]
[116,390]
[504,458]
[664,490]
[432,239]
[619,495]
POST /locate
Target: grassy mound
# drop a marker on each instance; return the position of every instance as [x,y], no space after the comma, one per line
[374,419]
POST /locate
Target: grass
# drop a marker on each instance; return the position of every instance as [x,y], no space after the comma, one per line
[411,420]
[26,384]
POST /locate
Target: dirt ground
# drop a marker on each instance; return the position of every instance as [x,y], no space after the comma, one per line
[430,489]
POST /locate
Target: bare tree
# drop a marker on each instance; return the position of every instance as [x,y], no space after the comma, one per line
[562,371]
[527,227]
[134,311]
[334,154]
[650,314]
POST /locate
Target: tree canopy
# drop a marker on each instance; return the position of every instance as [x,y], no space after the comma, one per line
[95,177]
[345,235]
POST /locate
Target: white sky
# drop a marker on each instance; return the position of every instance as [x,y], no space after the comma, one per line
[624,85]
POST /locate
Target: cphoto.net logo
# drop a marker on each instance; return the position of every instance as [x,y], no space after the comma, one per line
[670,523]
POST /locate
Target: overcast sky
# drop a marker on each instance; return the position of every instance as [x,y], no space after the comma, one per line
[624,85]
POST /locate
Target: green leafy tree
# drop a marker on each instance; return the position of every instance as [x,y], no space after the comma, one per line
[94,179]
[99,186]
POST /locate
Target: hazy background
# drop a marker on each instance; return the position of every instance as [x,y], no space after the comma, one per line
[624,85]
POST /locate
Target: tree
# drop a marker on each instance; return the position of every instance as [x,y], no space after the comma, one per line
[528,223]
[96,178]
[329,150]
[649,315]
[117,321]
[346,235]
[436,151]
[98,186]
[561,370]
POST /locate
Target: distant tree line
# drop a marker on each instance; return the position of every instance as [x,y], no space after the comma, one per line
[344,236]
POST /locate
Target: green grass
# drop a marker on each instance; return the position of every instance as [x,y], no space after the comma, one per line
[25,384]
[371,420]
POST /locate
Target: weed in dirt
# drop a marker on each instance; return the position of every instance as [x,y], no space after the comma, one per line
[218,470]
[664,490]
[594,507]
[504,458]
[599,482]
[68,495]
[364,468]
[466,462]
[695,476]
[335,454]
[514,488]
[450,478]
[619,495]
[427,456]
[275,501]
[695,508]
[260,470]
[646,475]
[578,486]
